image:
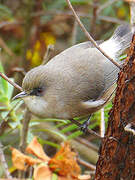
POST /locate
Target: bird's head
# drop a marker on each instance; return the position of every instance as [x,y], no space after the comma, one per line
[33,83]
[34,88]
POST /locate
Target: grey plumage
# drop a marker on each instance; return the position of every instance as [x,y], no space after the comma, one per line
[78,81]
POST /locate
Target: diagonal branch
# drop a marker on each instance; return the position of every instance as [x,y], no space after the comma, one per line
[11,82]
[89,36]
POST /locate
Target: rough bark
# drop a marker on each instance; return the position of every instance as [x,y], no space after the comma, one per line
[117,152]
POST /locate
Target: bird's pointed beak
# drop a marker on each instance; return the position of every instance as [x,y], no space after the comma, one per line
[20,95]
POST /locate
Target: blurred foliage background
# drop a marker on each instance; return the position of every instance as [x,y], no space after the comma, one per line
[27,29]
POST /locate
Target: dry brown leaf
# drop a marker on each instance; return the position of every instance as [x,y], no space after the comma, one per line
[64,162]
[36,149]
[42,172]
[21,161]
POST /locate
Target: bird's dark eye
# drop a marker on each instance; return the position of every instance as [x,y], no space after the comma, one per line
[37,91]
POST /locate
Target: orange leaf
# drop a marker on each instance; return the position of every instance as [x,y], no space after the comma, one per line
[42,172]
[36,149]
[64,162]
[21,161]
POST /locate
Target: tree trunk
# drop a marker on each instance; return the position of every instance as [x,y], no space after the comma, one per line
[117,153]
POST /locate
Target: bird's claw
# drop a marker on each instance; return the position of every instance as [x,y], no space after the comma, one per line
[84,127]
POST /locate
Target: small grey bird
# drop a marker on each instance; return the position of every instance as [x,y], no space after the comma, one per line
[76,82]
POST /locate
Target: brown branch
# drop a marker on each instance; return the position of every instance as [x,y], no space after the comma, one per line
[94,18]
[11,82]
[132,15]
[89,36]
[86,164]
[111,19]
[74,33]
[24,133]
[4,163]
[117,155]
[50,50]
[23,137]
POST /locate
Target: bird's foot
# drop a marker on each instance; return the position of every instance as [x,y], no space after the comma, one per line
[84,126]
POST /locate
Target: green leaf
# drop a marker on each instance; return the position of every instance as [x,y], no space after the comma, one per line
[69,128]
[122,57]
[3,82]
[42,142]
[74,135]
[62,124]
[1,68]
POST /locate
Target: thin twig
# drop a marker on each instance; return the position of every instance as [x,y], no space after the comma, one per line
[111,19]
[102,125]
[105,5]
[132,15]
[26,120]
[11,82]
[6,48]
[89,36]
[23,138]
[74,33]
[94,18]
[50,49]
[3,161]
[86,164]
[88,130]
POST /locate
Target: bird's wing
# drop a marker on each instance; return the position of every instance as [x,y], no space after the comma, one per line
[101,101]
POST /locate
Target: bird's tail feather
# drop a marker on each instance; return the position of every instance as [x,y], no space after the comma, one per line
[120,41]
